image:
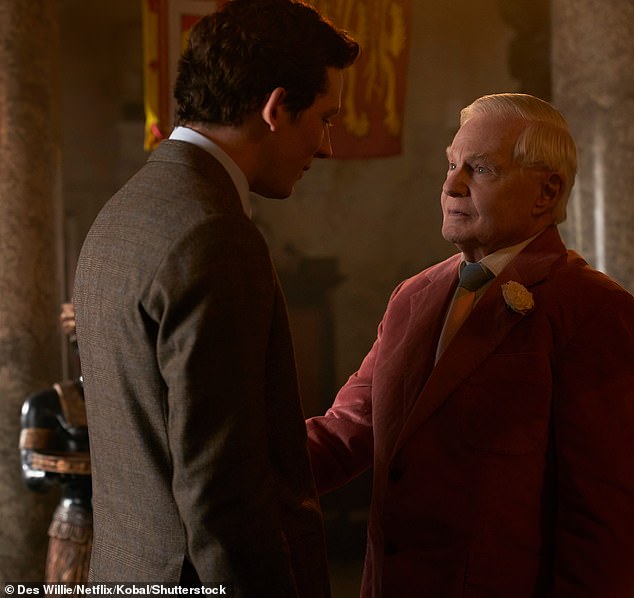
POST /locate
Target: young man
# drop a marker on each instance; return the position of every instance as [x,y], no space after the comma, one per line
[498,413]
[200,467]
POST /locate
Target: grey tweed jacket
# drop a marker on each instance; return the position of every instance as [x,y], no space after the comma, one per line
[197,436]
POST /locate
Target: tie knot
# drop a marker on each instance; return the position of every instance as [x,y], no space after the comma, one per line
[473,276]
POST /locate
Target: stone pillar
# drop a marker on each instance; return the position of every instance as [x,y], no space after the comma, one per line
[30,288]
[593,85]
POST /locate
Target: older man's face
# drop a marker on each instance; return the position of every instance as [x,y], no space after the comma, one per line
[487,201]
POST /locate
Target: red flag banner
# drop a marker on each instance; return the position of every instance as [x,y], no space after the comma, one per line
[373,103]
[371,120]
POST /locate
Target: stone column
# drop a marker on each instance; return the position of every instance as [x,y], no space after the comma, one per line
[593,85]
[30,289]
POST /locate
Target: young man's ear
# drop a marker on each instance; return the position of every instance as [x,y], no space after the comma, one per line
[271,109]
[551,191]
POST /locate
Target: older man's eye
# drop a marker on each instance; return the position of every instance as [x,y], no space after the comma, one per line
[481,169]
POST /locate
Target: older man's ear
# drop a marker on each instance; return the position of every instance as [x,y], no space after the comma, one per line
[551,191]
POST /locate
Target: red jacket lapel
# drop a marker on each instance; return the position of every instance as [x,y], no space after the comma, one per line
[481,333]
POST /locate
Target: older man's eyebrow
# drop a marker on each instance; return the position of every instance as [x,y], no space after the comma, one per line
[478,157]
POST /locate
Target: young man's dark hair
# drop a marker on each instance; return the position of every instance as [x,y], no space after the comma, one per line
[236,56]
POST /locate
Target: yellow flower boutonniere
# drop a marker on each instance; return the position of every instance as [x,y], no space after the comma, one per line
[518,297]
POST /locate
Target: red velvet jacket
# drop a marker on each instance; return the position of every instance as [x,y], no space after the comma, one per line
[507,469]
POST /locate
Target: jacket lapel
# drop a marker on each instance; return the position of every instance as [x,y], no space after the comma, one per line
[427,308]
[485,328]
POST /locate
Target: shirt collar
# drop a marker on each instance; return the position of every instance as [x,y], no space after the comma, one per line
[498,260]
[237,176]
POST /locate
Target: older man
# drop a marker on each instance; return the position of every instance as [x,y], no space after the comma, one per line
[497,403]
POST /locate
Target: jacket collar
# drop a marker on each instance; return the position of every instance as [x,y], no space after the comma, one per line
[486,327]
[187,154]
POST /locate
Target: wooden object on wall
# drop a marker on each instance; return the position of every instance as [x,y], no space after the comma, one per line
[70,543]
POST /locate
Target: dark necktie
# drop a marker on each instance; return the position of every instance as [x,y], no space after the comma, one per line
[472,277]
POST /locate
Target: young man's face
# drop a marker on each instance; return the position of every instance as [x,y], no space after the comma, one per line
[298,141]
